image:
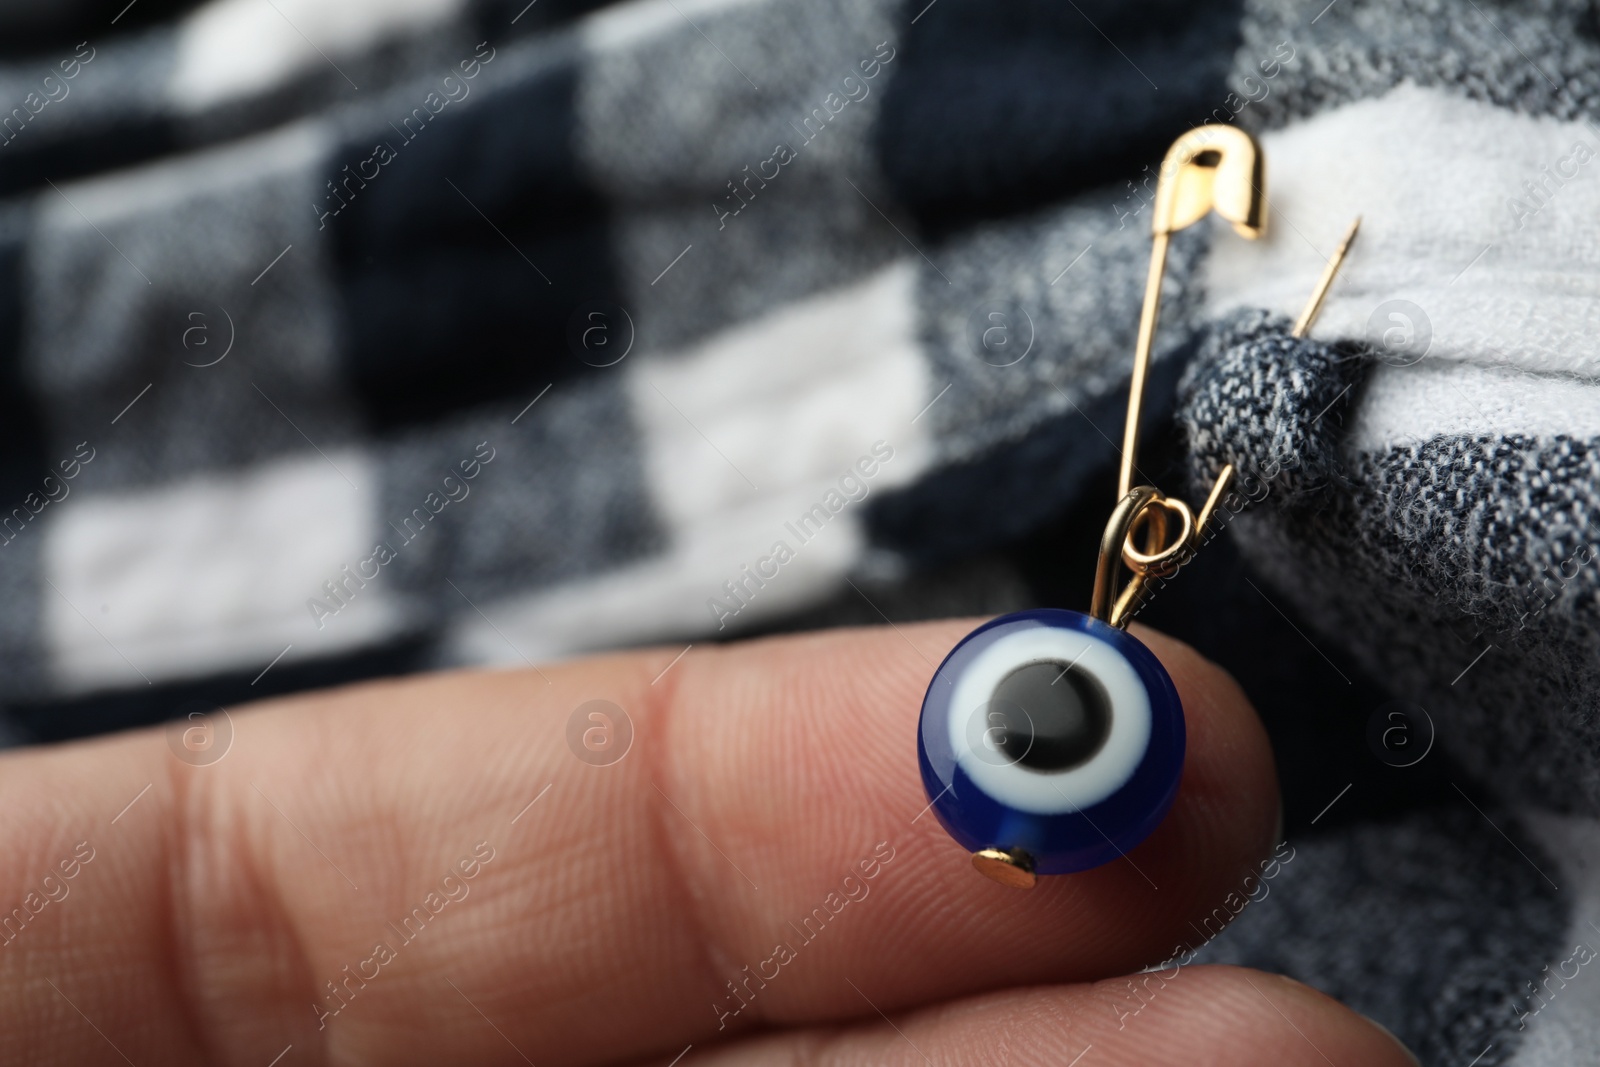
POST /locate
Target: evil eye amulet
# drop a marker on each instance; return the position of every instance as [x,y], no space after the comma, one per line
[1050,742]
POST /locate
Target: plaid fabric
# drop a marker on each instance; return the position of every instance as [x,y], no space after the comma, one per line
[353,340]
[676,320]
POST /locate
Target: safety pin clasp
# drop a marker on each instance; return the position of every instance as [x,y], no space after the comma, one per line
[1212,168]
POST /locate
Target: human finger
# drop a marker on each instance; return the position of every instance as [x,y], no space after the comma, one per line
[311,887]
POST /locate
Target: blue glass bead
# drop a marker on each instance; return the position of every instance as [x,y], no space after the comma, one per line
[1051,732]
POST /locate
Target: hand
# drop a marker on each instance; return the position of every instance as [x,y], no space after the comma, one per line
[532,907]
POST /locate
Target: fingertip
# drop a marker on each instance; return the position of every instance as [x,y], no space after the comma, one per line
[1230,771]
[1305,1019]
[803,746]
[1200,1015]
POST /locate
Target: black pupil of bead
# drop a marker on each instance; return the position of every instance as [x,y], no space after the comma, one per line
[1049,716]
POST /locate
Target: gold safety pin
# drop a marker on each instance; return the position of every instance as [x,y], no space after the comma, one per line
[1210,168]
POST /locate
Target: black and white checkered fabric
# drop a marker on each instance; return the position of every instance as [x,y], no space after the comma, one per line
[342,340]
[669,282]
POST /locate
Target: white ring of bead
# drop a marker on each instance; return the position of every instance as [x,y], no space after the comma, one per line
[1053,792]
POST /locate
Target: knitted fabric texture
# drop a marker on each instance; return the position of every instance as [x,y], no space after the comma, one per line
[1268,404]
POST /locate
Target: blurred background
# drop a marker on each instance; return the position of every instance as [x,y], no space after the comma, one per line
[351,340]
